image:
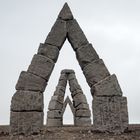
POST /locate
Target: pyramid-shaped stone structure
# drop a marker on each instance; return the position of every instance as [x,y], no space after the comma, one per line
[109,106]
[57,105]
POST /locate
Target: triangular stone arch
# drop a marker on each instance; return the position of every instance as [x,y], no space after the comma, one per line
[57,105]
[27,107]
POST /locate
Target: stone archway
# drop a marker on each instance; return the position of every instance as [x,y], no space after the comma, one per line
[57,105]
[27,103]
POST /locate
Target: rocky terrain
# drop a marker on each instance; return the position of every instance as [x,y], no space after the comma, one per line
[74,133]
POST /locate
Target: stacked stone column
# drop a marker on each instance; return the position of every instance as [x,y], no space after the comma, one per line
[109,107]
[57,106]
[82,112]
[55,115]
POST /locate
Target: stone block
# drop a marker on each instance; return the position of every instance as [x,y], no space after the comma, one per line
[54,114]
[107,87]
[28,81]
[57,35]
[27,101]
[55,105]
[62,83]
[74,85]
[41,66]
[82,121]
[75,35]
[60,90]
[54,122]
[110,114]
[49,51]
[78,99]
[26,122]
[63,76]
[82,113]
[77,91]
[58,98]
[82,106]
[67,71]
[65,13]
[86,54]
[95,72]
[71,76]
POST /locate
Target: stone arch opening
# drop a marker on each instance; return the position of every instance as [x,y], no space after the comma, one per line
[27,103]
[57,105]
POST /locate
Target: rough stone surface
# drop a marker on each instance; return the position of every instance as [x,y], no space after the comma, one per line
[60,90]
[49,51]
[75,35]
[28,81]
[55,105]
[67,71]
[65,13]
[107,87]
[74,85]
[95,71]
[86,54]
[82,106]
[26,122]
[27,101]
[71,76]
[77,91]
[57,35]
[82,113]
[58,98]
[110,114]
[78,99]
[82,121]
[54,122]
[41,66]
[54,114]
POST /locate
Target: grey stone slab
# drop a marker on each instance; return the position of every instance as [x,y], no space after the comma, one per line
[63,76]
[54,114]
[78,99]
[67,71]
[58,98]
[55,105]
[95,72]
[71,76]
[74,85]
[57,35]
[54,122]
[75,34]
[65,13]
[86,54]
[26,122]
[82,121]
[28,81]
[82,106]
[49,51]
[27,101]
[60,90]
[82,113]
[62,83]
[77,91]
[110,114]
[41,66]
[107,87]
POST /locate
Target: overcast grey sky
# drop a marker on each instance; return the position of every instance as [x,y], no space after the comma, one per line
[112,26]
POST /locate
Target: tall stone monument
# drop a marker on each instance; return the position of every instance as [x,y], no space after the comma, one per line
[109,106]
[79,107]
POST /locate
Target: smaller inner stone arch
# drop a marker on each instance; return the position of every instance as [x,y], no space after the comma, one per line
[79,105]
